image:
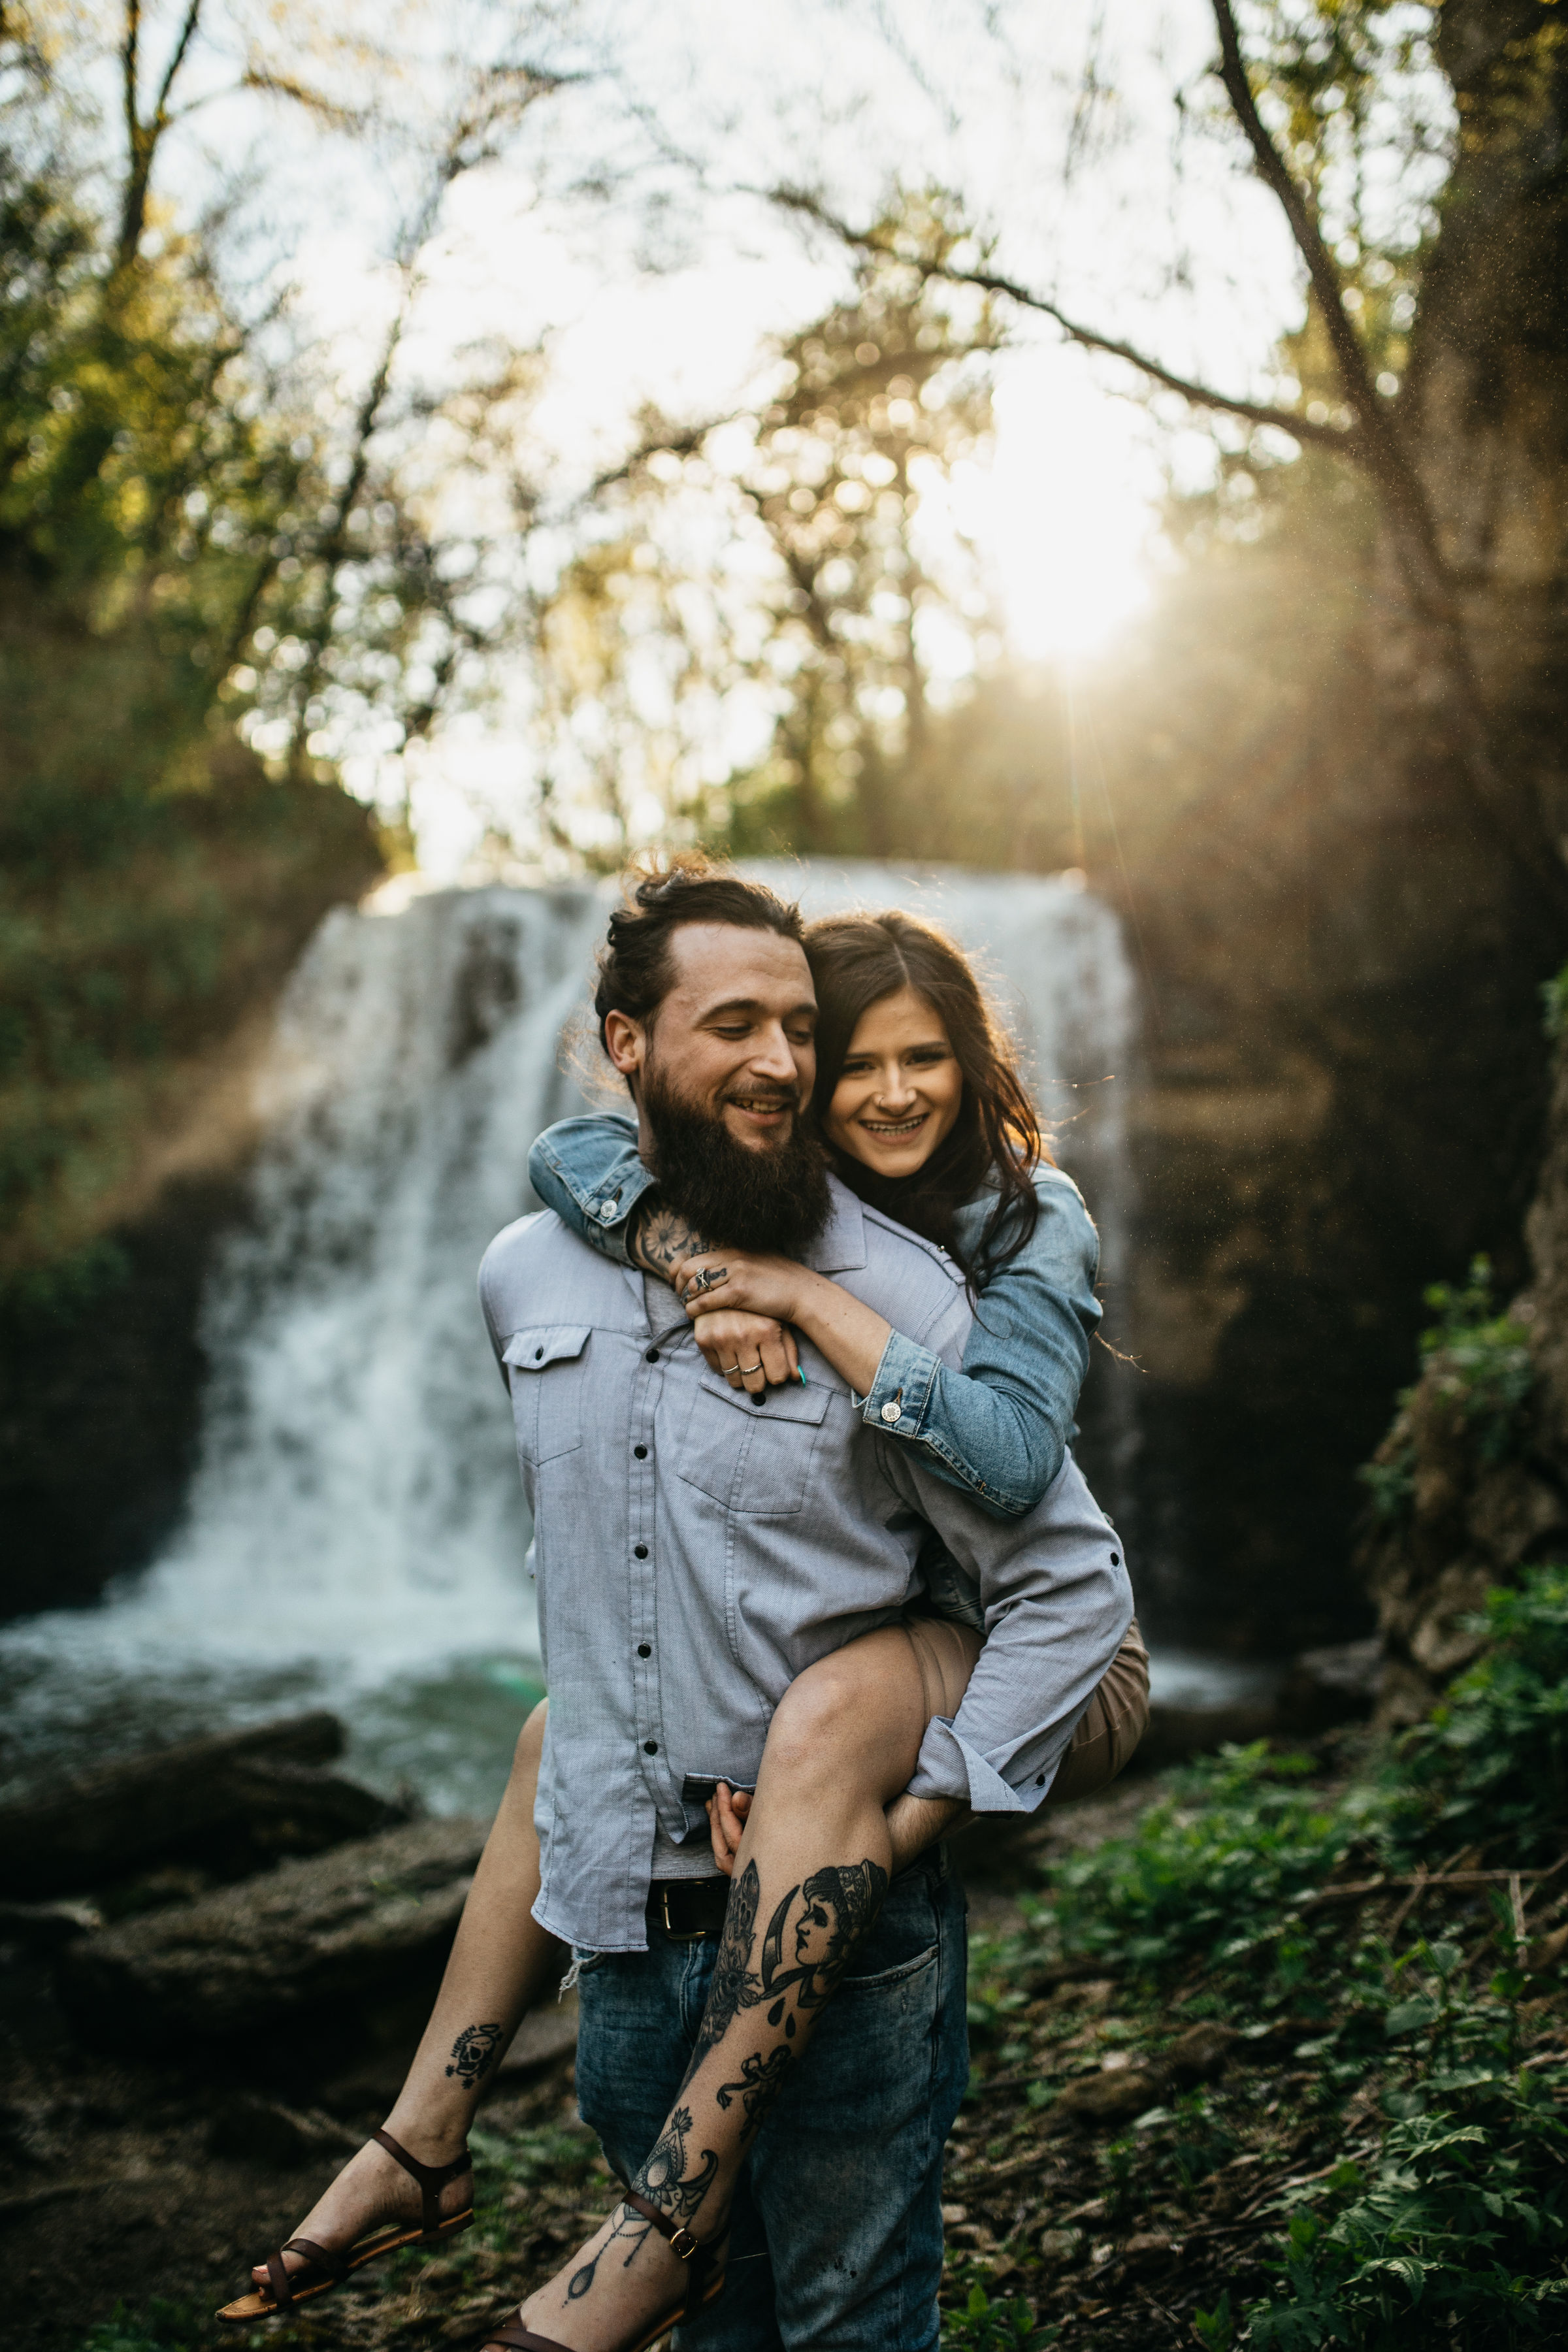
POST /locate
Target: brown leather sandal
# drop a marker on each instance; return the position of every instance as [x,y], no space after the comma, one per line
[704,2280]
[323,2270]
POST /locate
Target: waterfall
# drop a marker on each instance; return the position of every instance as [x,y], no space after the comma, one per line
[354,1532]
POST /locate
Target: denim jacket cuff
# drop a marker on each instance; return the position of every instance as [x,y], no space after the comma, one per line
[948,1766]
[609,1210]
[899,1396]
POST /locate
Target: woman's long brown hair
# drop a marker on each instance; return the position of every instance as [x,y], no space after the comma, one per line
[856,962]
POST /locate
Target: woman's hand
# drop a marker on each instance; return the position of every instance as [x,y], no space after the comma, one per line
[726,1819]
[851,1335]
[736,1278]
[752,1350]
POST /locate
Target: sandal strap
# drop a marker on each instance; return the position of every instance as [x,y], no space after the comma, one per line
[283,2280]
[696,2252]
[432,2178]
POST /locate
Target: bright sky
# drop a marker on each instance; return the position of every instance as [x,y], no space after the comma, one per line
[668,289]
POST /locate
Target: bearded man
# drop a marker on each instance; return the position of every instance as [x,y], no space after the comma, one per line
[696,1547]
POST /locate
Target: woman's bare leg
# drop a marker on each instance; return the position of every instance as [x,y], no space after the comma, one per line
[810,1875]
[501,1961]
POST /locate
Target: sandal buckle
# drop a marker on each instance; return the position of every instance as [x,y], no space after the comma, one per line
[683,2245]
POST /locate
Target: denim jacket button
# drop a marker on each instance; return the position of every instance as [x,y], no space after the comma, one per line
[890,1411]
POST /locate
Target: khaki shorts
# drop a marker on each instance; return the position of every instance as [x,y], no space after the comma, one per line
[1113,1722]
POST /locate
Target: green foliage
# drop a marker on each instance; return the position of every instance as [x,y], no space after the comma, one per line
[1457,2230]
[985,2325]
[1215,2328]
[1554,1005]
[157,881]
[1472,1358]
[1390,1485]
[553,2152]
[1480,1355]
[1210,1870]
[1493,1760]
[164,2327]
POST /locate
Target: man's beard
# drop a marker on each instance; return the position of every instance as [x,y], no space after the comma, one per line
[770,1197]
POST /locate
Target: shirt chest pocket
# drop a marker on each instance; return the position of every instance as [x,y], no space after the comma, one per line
[545,1372]
[753,1456]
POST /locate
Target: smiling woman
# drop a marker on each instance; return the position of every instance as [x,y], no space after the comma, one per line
[899,1089]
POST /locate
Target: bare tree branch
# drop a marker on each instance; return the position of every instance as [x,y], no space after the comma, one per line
[1341,439]
[1426,574]
[187,34]
[142,133]
[1501,803]
[312,101]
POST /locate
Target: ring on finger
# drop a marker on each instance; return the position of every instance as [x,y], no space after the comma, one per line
[745,1370]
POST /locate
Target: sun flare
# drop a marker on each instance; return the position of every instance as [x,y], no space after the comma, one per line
[1063,512]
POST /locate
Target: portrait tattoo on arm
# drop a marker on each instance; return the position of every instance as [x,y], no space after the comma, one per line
[663,1238]
[475,2051]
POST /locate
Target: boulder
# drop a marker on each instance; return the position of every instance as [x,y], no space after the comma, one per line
[360,1921]
[236,1801]
[1329,1687]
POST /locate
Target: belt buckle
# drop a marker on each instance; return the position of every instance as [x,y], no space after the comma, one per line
[677,1934]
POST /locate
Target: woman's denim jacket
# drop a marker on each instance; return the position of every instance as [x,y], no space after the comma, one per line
[1000,1427]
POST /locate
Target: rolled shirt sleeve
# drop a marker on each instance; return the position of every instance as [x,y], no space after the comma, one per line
[1056,1599]
[589,1172]
[999,1424]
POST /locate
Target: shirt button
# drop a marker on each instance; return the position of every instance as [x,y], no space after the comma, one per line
[641,1452]
[653,1355]
[650,1747]
[644,1650]
[639,1551]
[1040,1780]
[890,1411]
[1116,1559]
[539,1355]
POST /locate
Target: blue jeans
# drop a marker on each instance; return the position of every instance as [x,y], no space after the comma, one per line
[835,2229]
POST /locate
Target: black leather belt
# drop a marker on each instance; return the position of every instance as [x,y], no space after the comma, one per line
[686,1908]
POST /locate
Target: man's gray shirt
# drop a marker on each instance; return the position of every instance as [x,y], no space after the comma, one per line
[696,1550]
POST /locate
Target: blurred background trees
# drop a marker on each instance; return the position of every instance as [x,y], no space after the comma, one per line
[208,546]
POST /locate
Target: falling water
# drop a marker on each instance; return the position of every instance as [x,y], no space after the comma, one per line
[354,1533]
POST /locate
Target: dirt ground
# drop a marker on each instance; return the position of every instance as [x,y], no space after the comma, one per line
[147,2189]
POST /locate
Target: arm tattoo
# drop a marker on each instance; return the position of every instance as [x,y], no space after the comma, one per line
[663,1238]
[475,2051]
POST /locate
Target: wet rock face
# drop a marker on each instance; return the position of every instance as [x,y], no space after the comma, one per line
[365,1921]
[1459,1521]
[1296,1194]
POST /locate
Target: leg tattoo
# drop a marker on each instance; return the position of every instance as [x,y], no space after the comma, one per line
[475,2051]
[629,2229]
[761,2080]
[818,1925]
[663,2179]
